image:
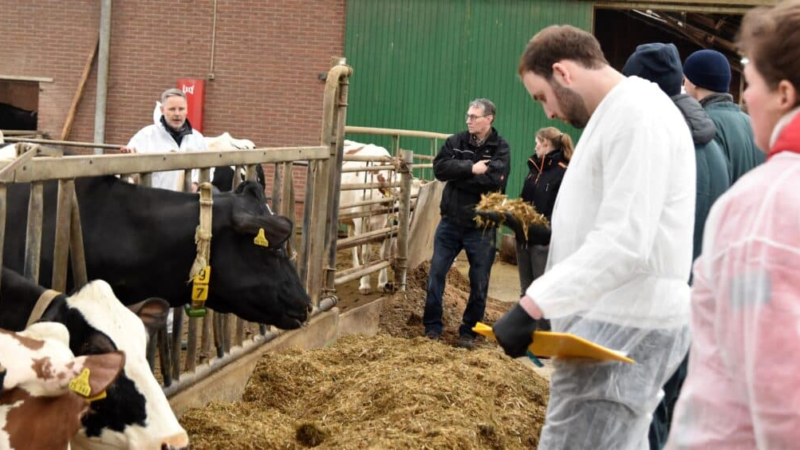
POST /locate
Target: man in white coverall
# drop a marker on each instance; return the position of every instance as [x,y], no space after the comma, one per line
[621,248]
[170,132]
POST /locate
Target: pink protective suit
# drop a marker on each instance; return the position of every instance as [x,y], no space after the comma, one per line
[743,387]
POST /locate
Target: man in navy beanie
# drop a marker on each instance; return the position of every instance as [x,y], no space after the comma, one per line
[707,76]
[661,64]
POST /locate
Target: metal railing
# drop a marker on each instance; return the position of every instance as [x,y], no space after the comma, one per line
[37,164]
[423,168]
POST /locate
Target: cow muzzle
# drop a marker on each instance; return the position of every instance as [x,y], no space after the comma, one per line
[178,441]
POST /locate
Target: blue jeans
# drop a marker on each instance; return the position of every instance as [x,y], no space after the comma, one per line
[479,244]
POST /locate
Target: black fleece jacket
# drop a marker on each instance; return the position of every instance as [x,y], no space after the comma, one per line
[463,191]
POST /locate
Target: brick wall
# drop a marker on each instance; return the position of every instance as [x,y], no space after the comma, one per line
[267,58]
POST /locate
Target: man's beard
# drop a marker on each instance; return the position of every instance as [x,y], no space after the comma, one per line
[572,105]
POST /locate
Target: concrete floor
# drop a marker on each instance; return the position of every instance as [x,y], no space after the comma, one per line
[503,281]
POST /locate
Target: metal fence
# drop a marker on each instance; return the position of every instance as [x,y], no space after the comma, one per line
[38,163]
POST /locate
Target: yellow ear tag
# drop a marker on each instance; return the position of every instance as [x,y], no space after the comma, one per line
[80,384]
[100,396]
[261,239]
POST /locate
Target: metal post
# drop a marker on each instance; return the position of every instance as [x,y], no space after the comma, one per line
[102,75]
[401,262]
[334,137]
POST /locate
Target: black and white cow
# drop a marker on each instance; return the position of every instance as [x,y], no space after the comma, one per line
[135,413]
[141,242]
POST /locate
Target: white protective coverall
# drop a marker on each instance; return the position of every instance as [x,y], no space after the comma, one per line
[155,139]
[743,387]
[619,265]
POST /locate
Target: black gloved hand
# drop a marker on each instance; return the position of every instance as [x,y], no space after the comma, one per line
[514,331]
[538,235]
[492,216]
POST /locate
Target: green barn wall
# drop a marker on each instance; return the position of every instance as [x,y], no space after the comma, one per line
[418,63]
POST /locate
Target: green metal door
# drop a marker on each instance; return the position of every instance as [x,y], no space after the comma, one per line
[418,63]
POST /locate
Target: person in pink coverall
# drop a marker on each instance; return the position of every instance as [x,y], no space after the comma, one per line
[743,387]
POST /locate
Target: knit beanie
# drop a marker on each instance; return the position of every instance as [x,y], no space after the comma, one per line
[658,63]
[708,69]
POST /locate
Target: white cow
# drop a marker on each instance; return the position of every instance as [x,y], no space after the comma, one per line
[223,176]
[359,226]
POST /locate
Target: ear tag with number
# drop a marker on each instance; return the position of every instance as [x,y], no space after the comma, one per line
[80,384]
[261,240]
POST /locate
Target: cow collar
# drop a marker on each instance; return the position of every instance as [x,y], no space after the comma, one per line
[200,273]
[41,305]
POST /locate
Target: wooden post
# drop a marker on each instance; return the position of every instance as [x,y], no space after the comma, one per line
[207,337]
[305,241]
[219,329]
[3,213]
[177,337]
[239,331]
[76,250]
[33,236]
[237,180]
[76,99]
[66,189]
[191,349]
[277,190]
[163,356]
[251,172]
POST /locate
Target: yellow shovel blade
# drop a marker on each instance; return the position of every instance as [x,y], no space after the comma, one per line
[562,345]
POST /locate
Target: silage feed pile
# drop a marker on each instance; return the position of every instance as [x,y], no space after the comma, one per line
[401,315]
[379,392]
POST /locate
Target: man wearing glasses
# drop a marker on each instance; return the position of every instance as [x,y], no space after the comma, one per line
[473,162]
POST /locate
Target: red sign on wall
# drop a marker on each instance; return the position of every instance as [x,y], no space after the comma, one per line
[195,91]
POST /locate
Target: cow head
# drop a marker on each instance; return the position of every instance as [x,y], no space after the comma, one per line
[39,361]
[135,412]
[38,372]
[259,283]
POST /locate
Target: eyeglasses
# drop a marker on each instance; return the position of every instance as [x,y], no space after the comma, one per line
[471,118]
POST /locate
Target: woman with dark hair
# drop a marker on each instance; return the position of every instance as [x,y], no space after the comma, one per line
[547,168]
[743,387]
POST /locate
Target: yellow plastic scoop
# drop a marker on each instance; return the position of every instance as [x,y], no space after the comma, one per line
[562,345]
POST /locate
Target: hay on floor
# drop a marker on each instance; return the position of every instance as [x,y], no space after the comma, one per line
[379,392]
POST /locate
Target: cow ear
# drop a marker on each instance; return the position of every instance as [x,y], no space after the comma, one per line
[276,228]
[153,313]
[251,188]
[103,370]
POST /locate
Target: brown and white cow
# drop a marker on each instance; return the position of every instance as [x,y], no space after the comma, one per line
[135,412]
[46,391]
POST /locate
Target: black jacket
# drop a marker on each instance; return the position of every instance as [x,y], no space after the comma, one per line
[541,188]
[463,191]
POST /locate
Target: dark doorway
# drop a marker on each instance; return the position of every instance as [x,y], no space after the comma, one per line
[19,105]
[621,31]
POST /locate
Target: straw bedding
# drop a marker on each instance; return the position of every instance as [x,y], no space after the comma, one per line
[394,390]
